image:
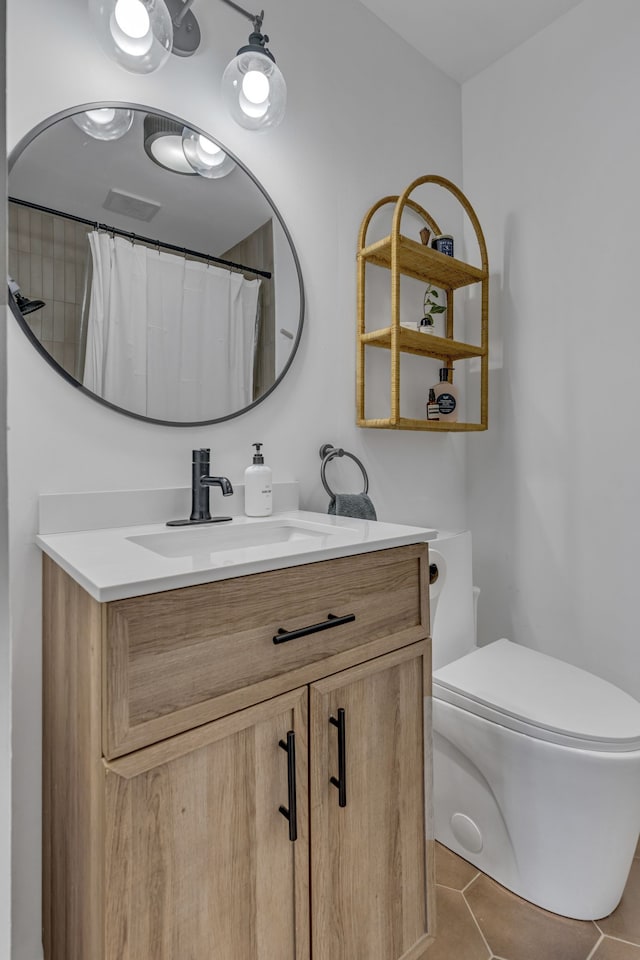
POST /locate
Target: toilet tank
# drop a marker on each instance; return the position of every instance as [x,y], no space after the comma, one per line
[451,597]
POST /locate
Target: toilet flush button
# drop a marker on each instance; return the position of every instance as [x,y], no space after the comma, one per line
[466,832]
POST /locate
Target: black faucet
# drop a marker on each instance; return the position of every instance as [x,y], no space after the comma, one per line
[201,483]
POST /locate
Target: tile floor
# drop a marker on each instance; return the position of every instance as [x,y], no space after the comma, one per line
[480,920]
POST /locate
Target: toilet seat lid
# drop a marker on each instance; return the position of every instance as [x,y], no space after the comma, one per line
[541,696]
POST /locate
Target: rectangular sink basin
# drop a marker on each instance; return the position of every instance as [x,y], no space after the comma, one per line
[219,537]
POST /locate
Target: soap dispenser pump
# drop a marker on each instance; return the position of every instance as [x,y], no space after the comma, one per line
[258,493]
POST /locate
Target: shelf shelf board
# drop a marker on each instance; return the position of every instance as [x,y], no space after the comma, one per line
[423,344]
[435,426]
[422,263]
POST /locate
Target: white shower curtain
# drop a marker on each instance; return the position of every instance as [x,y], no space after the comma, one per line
[168,338]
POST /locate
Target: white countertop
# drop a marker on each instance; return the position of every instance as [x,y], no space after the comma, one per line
[112,563]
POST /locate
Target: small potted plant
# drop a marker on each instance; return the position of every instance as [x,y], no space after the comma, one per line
[431,309]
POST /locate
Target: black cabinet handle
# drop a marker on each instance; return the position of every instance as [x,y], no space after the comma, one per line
[291,814]
[341,781]
[332,621]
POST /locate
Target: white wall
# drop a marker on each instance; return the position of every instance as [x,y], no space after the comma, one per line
[382,117]
[5,636]
[551,155]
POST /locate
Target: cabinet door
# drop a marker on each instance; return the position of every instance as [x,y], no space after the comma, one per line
[199,860]
[368,858]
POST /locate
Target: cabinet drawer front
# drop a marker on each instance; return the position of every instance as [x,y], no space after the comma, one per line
[184,657]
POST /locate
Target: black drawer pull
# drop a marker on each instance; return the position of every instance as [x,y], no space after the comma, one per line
[341,781]
[332,621]
[291,814]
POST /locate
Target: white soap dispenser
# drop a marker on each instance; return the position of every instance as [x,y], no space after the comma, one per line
[258,495]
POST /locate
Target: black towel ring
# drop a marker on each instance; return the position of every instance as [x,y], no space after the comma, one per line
[327,453]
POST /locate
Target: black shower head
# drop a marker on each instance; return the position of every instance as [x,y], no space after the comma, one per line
[26,306]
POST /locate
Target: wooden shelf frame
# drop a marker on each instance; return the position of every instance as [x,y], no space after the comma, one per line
[410,341]
[405,257]
[416,260]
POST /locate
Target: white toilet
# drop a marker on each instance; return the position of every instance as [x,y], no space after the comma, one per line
[536,762]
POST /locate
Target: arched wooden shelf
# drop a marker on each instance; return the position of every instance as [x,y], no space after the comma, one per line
[403,256]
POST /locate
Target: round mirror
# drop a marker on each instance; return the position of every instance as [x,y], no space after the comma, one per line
[149,266]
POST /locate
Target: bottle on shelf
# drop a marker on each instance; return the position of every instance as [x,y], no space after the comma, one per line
[433,410]
[443,243]
[446,394]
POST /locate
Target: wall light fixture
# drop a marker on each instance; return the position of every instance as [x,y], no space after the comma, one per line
[105,123]
[167,142]
[181,150]
[252,84]
[137,34]
[205,156]
[141,35]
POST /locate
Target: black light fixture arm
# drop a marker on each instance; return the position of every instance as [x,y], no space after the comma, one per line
[256,18]
[257,38]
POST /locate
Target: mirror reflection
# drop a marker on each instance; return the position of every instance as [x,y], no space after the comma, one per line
[150,267]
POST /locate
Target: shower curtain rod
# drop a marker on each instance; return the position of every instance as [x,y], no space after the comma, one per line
[136,236]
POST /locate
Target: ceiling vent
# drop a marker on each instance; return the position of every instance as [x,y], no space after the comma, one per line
[130,206]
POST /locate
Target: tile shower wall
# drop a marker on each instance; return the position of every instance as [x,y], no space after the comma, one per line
[48,258]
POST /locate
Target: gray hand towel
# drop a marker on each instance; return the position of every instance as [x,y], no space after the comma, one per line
[352,505]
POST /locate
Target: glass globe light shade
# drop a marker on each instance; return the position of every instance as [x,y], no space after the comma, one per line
[137,34]
[205,156]
[105,123]
[254,90]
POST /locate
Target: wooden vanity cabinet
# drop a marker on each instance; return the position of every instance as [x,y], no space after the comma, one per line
[183,847]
